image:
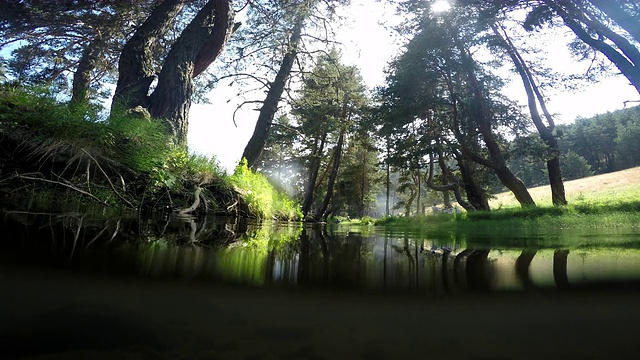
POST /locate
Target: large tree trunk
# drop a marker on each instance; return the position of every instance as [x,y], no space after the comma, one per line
[80,92]
[475,194]
[256,144]
[321,212]
[195,49]
[135,68]
[534,97]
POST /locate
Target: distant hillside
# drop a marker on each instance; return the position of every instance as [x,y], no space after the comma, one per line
[616,186]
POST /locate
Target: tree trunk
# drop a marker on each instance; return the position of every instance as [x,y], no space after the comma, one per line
[135,67]
[320,213]
[419,182]
[388,179]
[204,36]
[314,168]
[483,123]
[256,144]
[453,186]
[476,195]
[546,132]
[627,63]
[82,76]
[621,17]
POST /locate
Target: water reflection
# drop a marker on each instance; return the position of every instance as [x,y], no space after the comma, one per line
[295,255]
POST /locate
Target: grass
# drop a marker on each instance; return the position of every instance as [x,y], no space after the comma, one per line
[138,155]
[263,199]
[602,201]
[616,187]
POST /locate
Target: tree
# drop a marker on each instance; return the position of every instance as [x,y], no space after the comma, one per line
[359,181]
[591,27]
[535,98]
[329,104]
[287,25]
[84,38]
[597,24]
[437,77]
[198,46]
[77,42]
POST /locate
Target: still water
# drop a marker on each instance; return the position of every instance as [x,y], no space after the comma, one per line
[89,285]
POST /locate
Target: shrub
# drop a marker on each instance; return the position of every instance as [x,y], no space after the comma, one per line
[263,199]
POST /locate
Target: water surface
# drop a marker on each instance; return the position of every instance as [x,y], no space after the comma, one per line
[82,284]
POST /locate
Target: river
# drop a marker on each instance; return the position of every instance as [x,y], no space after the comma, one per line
[81,284]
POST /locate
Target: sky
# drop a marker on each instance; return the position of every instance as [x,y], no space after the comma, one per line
[370,46]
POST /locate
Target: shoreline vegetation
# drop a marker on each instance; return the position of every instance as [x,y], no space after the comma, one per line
[609,200]
[53,151]
[72,153]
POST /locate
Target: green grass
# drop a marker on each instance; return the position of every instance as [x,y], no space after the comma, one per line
[263,199]
[602,201]
[135,147]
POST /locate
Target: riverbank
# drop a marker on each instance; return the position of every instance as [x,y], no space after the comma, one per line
[73,153]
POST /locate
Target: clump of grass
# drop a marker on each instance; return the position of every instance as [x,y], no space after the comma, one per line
[263,199]
[180,167]
[48,127]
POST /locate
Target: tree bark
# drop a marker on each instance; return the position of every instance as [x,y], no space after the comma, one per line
[320,213]
[475,194]
[81,87]
[256,144]
[534,97]
[200,41]
[135,68]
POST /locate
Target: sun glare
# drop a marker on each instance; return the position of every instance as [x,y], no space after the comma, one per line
[440,6]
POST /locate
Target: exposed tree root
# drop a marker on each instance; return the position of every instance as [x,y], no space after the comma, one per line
[65,185]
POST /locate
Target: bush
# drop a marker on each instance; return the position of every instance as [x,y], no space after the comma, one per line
[263,199]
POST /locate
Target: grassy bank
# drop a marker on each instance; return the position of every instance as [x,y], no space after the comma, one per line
[52,151]
[602,201]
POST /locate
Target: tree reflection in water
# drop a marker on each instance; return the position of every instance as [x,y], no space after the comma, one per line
[298,255]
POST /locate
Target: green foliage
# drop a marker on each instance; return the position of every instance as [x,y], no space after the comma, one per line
[55,127]
[37,110]
[627,144]
[140,144]
[180,167]
[574,166]
[263,199]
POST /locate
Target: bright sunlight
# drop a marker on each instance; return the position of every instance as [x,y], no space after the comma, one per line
[440,6]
